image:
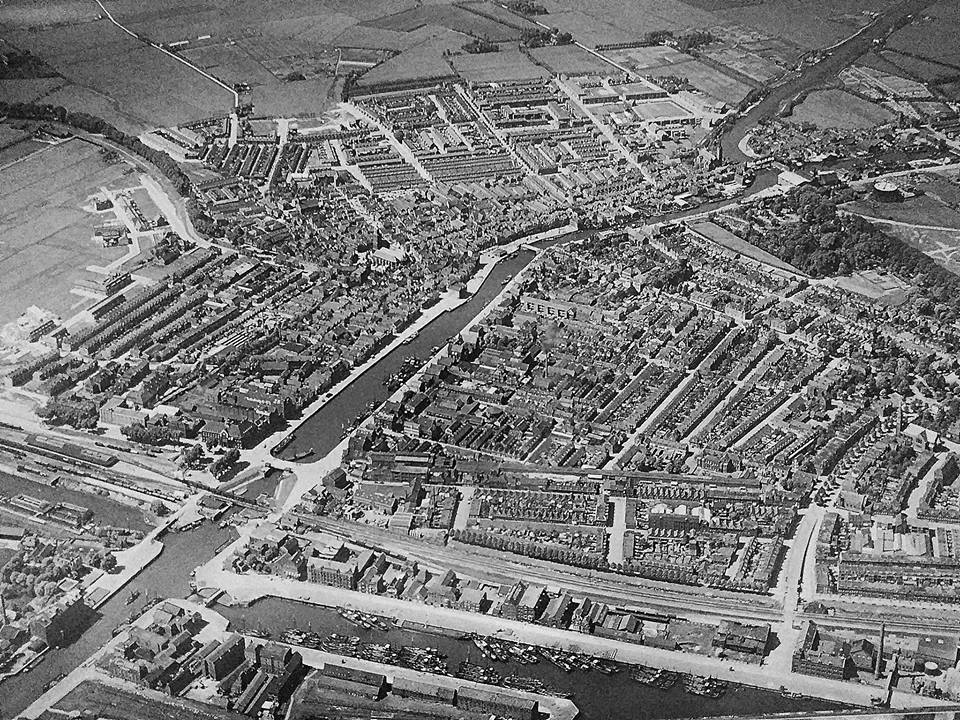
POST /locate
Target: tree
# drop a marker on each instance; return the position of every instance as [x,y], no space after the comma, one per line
[158,508]
[109,562]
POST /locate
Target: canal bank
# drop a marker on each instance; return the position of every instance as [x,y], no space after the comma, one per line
[167,575]
[325,422]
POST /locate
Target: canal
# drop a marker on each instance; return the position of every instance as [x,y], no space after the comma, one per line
[323,430]
[818,74]
[167,576]
[607,697]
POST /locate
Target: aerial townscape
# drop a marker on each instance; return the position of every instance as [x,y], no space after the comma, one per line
[480,360]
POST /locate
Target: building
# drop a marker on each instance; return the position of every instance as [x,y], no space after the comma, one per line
[741,638]
[496,702]
[423,690]
[222,661]
[349,680]
[61,624]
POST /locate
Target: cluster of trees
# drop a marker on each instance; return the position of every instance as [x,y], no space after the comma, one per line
[223,463]
[553,553]
[478,46]
[70,411]
[526,7]
[190,457]
[825,243]
[538,37]
[22,64]
[93,124]
[147,434]
[688,41]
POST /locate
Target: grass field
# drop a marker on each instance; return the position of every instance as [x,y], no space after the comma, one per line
[450,17]
[572,60]
[422,60]
[503,65]
[659,109]
[921,210]
[45,237]
[662,61]
[133,79]
[941,245]
[794,20]
[836,108]
[588,30]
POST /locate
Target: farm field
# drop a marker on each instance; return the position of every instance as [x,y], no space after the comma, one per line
[571,60]
[836,108]
[794,21]
[587,29]
[932,36]
[45,236]
[133,81]
[744,63]
[503,65]
[448,16]
[635,18]
[424,60]
[29,89]
[662,61]
[285,77]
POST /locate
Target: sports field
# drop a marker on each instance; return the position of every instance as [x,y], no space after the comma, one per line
[45,235]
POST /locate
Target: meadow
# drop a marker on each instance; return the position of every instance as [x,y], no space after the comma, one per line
[839,109]
[46,238]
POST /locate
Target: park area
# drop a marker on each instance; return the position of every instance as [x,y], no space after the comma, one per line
[46,237]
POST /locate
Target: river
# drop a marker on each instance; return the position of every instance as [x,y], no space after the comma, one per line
[167,576]
[608,697]
[817,74]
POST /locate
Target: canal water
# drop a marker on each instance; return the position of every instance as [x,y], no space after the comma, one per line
[323,430]
[607,697]
[166,577]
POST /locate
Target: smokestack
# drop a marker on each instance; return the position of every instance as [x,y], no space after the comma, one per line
[879,662]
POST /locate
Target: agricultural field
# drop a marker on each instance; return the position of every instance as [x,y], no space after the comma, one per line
[932,36]
[451,17]
[420,61]
[29,89]
[839,109]
[794,21]
[589,30]
[135,83]
[634,18]
[662,61]
[286,77]
[493,67]
[745,63]
[46,238]
[571,60]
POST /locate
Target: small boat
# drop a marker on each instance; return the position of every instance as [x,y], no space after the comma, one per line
[131,598]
